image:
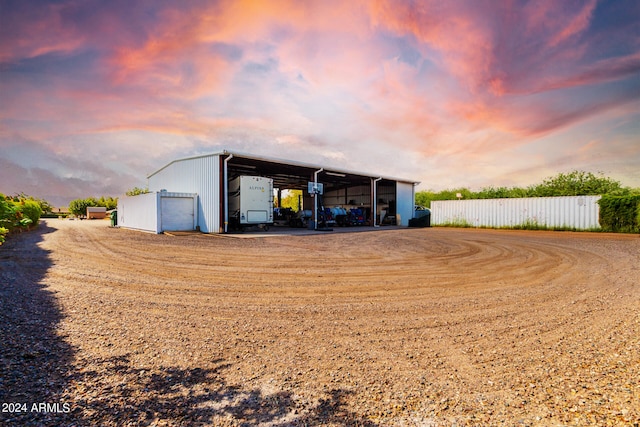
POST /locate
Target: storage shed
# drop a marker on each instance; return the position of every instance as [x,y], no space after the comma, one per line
[96,212]
[159,211]
[208,180]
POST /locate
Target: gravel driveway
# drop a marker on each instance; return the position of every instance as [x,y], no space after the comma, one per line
[403,327]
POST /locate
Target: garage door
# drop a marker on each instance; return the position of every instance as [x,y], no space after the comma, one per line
[177,213]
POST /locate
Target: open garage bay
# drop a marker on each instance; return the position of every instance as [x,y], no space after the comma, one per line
[424,327]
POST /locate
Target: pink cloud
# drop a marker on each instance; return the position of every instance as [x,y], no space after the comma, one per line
[577,23]
[28,32]
[509,50]
[461,40]
[602,71]
[183,36]
[512,51]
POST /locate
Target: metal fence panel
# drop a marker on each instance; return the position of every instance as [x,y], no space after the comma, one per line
[139,212]
[579,212]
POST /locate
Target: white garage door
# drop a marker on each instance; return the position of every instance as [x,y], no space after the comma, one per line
[177,213]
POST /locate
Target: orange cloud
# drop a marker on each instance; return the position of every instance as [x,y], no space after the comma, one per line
[462,41]
[185,35]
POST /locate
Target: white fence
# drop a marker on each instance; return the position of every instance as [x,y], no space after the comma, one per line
[139,212]
[579,212]
[151,212]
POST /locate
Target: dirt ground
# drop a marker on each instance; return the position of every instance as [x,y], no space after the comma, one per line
[409,327]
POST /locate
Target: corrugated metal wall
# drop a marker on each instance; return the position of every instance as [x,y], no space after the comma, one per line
[335,197]
[144,211]
[404,202]
[197,175]
[360,195]
[171,213]
[352,196]
[580,212]
[139,212]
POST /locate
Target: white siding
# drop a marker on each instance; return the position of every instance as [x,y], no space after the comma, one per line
[197,175]
[579,212]
[177,212]
[404,202]
[139,212]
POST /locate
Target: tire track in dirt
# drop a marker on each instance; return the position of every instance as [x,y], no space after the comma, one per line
[434,323]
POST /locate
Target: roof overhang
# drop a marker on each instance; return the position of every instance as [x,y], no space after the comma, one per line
[291,174]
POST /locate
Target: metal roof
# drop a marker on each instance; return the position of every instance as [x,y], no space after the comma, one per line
[289,171]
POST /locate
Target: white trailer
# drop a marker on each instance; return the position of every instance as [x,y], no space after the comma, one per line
[250,201]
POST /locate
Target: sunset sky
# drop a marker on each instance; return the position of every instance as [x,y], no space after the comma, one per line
[95,95]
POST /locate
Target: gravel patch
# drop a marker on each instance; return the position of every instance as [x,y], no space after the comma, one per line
[403,327]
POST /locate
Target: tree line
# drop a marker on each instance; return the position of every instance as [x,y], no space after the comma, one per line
[575,183]
[78,207]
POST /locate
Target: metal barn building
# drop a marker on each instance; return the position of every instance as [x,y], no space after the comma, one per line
[194,193]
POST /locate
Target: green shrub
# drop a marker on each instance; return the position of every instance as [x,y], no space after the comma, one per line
[620,213]
[5,207]
[10,214]
[31,210]
[17,213]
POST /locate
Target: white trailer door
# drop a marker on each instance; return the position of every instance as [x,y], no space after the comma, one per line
[177,213]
